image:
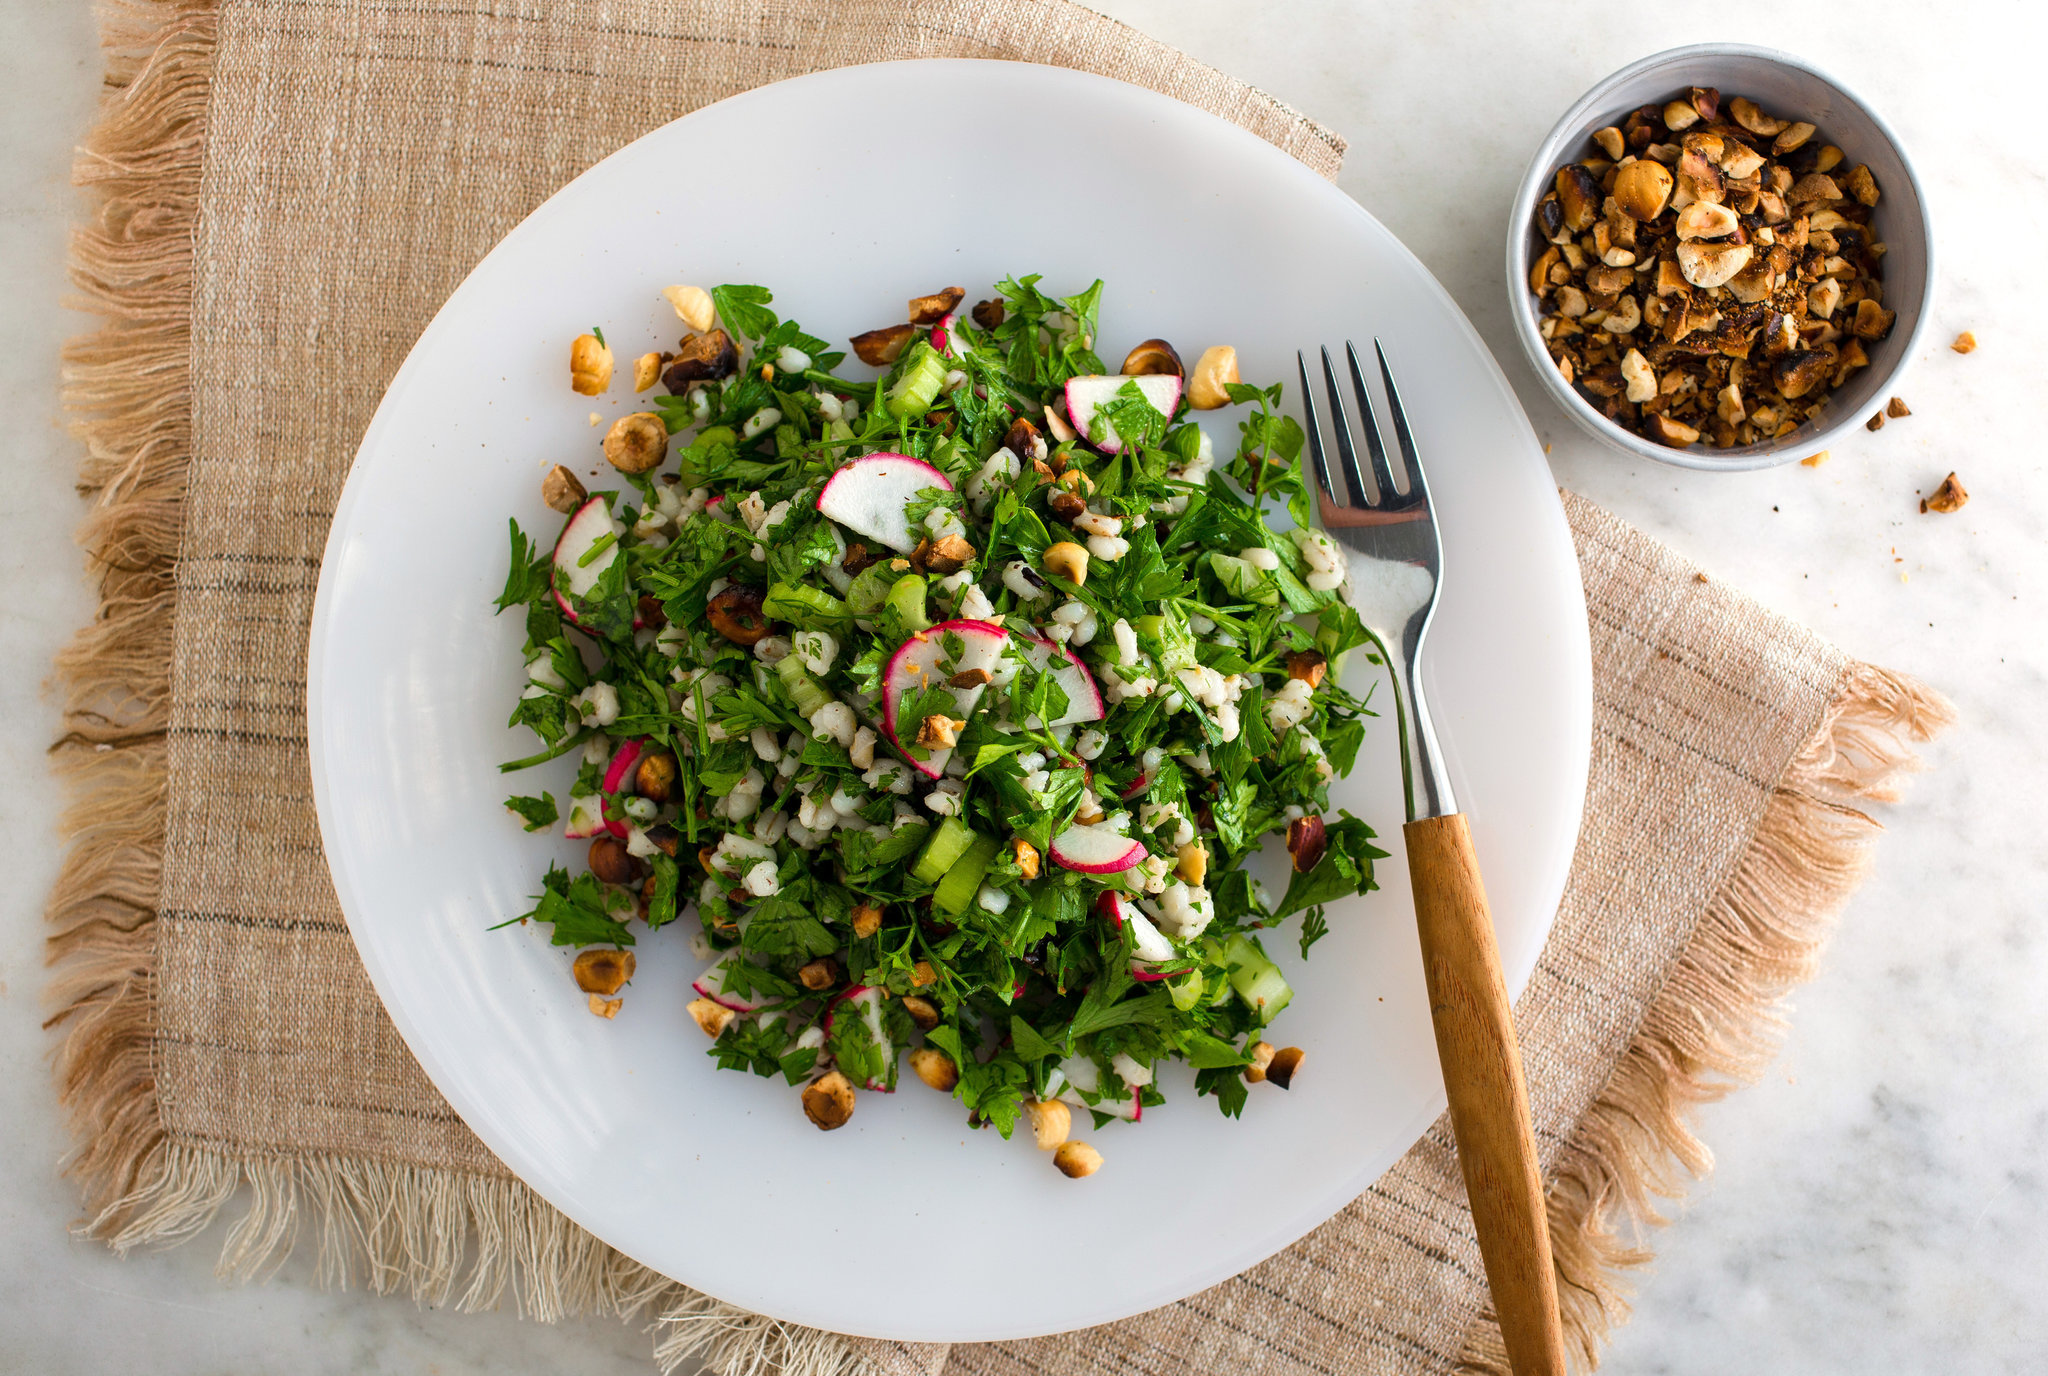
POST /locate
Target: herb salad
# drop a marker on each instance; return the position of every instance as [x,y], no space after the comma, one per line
[942,710]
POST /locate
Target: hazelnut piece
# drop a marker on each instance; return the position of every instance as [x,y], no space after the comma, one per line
[611,862]
[1050,1120]
[701,358]
[1578,195]
[1215,370]
[1066,560]
[880,348]
[1705,220]
[1306,842]
[923,974]
[935,1068]
[1310,666]
[590,365]
[922,1011]
[970,678]
[940,732]
[1755,120]
[1950,496]
[1897,409]
[603,971]
[828,1100]
[647,371]
[1708,265]
[1077,1160]
[1153,356]
[562,490]
[714,1018]
[1643,189]
[1027,857]
[1191,863]
[1966,342]
[1665,430]
[1800,371]
[1023,440]
[926,310]
[735,613]
[1872,320]
[604,1007]
[1262,1056]
[988,314]
[655,778]
[694,305]
[819,975]
[1612,142]
[866,919]
[636,443]
[947,554]
[1280,1070]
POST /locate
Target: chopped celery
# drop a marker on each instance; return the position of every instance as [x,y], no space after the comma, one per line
[917,386]
[963,880]
[947,843]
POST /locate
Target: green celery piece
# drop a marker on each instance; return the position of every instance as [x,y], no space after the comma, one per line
[963,880]
[917,387]
[803,689]
[1257,980]
[942,849]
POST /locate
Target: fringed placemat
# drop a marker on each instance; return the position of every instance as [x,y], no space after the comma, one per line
[285,195]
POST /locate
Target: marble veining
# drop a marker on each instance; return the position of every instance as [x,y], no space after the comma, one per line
[1879,1203]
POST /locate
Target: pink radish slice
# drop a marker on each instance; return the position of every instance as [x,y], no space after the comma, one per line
[1083,1078]
[589,523]
[869,999]
[711,985]
[871,497]
[1110,904]
[917,664]
[1086,394]
[1084,696]
[617,774]
[1147,943]
[1096,849]
[943,338]
[1145,975]
[1137,786]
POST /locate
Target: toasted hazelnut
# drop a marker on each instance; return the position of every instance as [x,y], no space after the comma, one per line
[603,971]
[1027,857]
[714,1018]
[988,314]
[1192,863]
[923,975]
[1215,370]
[694,305]
[1611,142]
[1077,1159]
[880,348]
[1728,405]
[636,443]
[1066,560]
[1623,317]
[1679,115]
[655,776]
[1966,342]
[701,358]
[665,839]
[1578,195]
[866,919]
[828,1100]
[1286,1061]
[1755,120]
[940,732]
[1950,496]
[735,613]
[927,310]
[1875,423]
[1813,188]
[1262,1056]
[922,1011]
[1643,189]
[1023,440]
[1074,480]
[1571,302]
[935,1068]
[604,1007]
[1705,220]
[1550,220]
[1640,376]
[1665,430]
[946,555]
[1306,842]
[1792,137]
[1056,423]
[561,490]
[819,975]
[1739,163]
[1823,297]
[1861,185]
[1799,372]
[1152,356]
[1050,1120]
[1897,409]
[590,365]
[646,371]
[611,862]
[1310,666]
[1872,320]
[970,678]
[1708,265]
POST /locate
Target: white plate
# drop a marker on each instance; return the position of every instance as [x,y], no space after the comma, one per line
[847,192]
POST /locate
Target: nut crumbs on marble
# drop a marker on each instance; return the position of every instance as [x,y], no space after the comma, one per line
[1816,460]
[1950,496]
[1897,409]
[1876,421]
[1965,342]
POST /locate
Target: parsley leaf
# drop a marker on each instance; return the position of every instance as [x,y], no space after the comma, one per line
[537,812]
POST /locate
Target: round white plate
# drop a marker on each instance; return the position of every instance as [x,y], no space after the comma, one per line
[905,1223]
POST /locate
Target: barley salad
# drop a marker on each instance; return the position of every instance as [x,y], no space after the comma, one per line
[943,710]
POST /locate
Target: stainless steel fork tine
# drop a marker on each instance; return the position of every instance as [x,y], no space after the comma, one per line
[1315,431]
[1410,460]
[1381,473]
[1346,451]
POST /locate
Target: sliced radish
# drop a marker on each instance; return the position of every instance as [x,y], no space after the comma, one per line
[1084,697]
[917,664]
[868,999]
[711,985]
[589,523]
[1096,849]
[871,497]
[1110,904]
[623,761]
[586,817]
[1147,942]
[945,337]
[1086,394]
[1083,1078]
[1137,786]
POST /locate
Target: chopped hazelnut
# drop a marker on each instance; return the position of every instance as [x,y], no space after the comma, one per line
[927,310]
[562,491]
[1875,423]
[1579,197]
[828,1100]
[1215,370]
[922,1011]
[1861,185]
[948,554]
[866,919]
[1680,115]
[1281,1069]
[819,975]
[1897,409]
[1872,320]
[590,365]
[601,970]
[611,862]
[1191,863]
[1306,842]
[1966,342]
[1066,560]
[1793,138]
[701,358]
[1050,1120]
[604,1007]
[1152,356]
[694,305]
[923,975]
[647,370]
[1027,857]
[1611,142]
[880,348]
[1950,496]
[712,1017]
[655,776]
[1077,1160]
[935,1068]
[940,732]
[1262,1056]
[970,678]
[988,314]
[1665,430]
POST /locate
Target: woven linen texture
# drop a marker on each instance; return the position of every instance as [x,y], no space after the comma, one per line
[296,188]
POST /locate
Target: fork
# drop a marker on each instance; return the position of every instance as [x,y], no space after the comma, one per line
[1391,524]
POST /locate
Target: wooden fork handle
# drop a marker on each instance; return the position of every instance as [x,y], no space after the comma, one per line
[1482,1065]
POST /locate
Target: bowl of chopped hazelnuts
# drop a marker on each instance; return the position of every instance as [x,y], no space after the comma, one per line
[1720,258]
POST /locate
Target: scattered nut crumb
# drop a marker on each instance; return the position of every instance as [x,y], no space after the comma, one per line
[1897,409]
[1876,421]
[1966,342]
[604,1007]
[1710,281]
[1816,460]
[1950,496]
[596,419]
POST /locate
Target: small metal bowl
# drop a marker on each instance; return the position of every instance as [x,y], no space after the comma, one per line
[1789,88]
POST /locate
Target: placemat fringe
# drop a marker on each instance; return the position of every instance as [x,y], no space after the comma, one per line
[1716,1022]
[733,1342]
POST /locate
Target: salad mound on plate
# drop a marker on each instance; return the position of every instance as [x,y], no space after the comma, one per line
[945,709]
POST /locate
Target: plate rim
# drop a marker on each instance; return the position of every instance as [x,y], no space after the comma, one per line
[1549,514]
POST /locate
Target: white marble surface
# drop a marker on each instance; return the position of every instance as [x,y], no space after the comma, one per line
[1879,1203]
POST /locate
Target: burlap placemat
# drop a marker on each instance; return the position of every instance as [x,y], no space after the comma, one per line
[287,192]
